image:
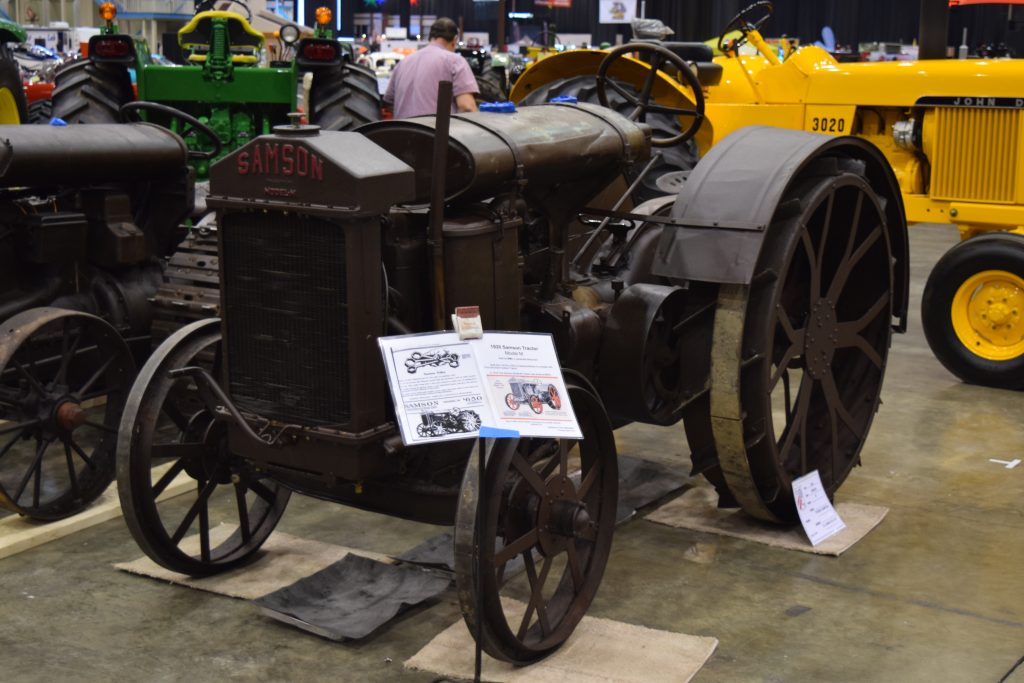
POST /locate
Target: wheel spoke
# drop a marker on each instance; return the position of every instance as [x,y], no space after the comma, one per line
[181,451]
[204,494]
[95,377]
[204,527]
[563,457]
[574,566]
[589,479]
[835,402]
[849,263]
[860,323]
[168,477]
[82,454]
[67,353]
[799,416]
[813,262]
[834,428]
[7,429]
[72,472]
[794,335]
[826,225]
[528,473]
[243,512]
[9,444]
[782,367]
[33,469]
[536,596]
[36,386]
[520,545]
[262,491]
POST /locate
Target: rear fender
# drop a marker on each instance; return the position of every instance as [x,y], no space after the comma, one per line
[732,195]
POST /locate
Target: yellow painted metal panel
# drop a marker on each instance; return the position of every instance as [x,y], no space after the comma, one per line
[975,154]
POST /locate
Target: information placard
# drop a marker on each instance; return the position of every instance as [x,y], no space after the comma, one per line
[819,519]
[445,388]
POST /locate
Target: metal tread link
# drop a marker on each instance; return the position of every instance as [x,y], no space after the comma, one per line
[191,286]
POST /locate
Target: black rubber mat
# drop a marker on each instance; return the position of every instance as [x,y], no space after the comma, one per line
[352,598]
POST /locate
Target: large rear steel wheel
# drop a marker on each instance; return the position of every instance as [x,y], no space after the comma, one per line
[550,508]
[64,376]
[167,423]
[798,355]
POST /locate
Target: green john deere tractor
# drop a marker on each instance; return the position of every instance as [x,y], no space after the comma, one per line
[222,98]
[13,107]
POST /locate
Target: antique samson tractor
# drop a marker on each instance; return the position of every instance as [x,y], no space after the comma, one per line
[85,213]
[757,308]
[948,128]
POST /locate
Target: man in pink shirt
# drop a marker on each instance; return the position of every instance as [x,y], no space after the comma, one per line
[412,90]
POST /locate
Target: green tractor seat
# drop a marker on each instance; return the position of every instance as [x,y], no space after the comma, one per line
[245,42]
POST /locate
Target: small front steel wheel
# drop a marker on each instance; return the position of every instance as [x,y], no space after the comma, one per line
[549,511]
[182,533]
[511,401]
[536,405]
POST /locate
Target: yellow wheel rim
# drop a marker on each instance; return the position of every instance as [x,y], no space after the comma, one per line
[8,107]
[988,315]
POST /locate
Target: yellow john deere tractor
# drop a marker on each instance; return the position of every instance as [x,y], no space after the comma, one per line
[952,131]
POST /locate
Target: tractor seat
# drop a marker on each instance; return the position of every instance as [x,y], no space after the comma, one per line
[245,42]
[698,54]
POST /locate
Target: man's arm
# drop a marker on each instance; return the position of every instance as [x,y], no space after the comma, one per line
[465,102]
[464,86]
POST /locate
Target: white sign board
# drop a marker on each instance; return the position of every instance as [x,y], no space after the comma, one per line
[818,517]
[616,11]
[445,388]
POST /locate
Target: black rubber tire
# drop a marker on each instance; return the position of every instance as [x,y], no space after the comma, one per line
[10,79]
[40,112]
[85,92]
[490,88]
[344,98]
[584,88]
[991,251]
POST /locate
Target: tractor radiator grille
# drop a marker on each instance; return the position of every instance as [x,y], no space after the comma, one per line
[286,316]
[975,155]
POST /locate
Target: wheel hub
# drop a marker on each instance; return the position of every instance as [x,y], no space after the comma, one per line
[822,336]
[560,515]
[70,415]
[987,315]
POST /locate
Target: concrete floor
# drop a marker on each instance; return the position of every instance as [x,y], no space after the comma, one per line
[936,593]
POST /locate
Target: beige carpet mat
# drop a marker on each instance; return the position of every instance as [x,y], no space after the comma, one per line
[697,509]
[282,561]
[599,651]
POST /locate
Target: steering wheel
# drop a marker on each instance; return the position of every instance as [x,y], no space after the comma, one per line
[211,4]
[741,23]
[642,102]
[129,114]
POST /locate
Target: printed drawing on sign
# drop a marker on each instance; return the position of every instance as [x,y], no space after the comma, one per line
[435,359]
[532,394]
[454,421]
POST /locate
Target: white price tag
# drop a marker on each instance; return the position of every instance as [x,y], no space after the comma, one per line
[819,519]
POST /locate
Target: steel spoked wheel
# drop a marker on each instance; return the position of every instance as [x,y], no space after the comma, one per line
[550,512]
[168,434]
[805,344]
[64,377]
[973,310]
